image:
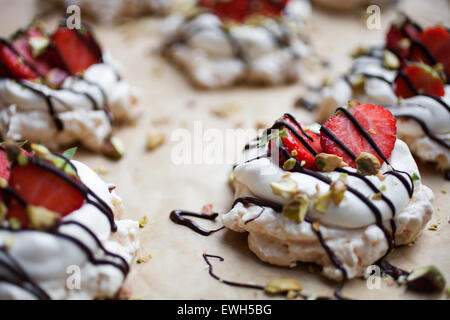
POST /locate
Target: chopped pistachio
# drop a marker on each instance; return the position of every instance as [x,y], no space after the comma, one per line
[294,153]
[316,226]
[367,164]
[404,43]
[22,159]
[3,183]
[154,140]
[284,188]
[371,131]
[41,218]
[296,208]
[390,60]
[113,148]
[443,191]
[322,203]
[383,188]
[327,162]
[376,196]
[380,176]
[69,153]
[426,279]
[415,177]
[289,164]
[352,103]
[40,150]
[3,212]
[143,259]
[282,285]
[143,222]
[357,81]
[14,223]
[337,191]
[38,45]
[360,51]
[231,177]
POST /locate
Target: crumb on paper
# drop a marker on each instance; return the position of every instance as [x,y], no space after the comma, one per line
[101,170]
[260,124]
[154,140]
[226,110]
[207,209]
[143,222]
[161,120]
[143,259]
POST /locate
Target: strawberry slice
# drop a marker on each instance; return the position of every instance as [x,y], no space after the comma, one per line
[41,187]
[377,121]
[423,78]
[77,49]
[12,65]
[4,165]
[437,40]
[295,147]
[397,38]
[269,8]
[236,10]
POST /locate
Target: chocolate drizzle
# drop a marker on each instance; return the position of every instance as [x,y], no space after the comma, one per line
[178,217]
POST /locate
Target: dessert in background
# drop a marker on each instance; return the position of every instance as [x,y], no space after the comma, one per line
[224,43]
[350,4]
[110,11]
[409,75]
[61,89]
[61,236]
[341,195]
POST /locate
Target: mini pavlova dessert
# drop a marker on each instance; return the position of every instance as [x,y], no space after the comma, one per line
[350,4]
[223,43]
[409,76]
[60,89]
[60,233]
[341,195]
[109,11]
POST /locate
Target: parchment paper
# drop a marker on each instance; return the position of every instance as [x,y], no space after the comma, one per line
[152,185]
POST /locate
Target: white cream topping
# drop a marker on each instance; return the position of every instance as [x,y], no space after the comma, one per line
[351,212]
[24,114]
[47,259]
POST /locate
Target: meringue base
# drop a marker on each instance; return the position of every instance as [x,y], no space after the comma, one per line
[280,241]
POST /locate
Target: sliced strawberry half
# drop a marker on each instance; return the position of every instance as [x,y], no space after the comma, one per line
[77,49]
[376,120]
[236,10]
[41,187]
[4,165]
[423,78]
[270,8]
[294,146]
[12,65]
[399,33]
[437,40]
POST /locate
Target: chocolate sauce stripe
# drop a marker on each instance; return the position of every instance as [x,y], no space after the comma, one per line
[177,216]
[426,130]
[281,124]
[31,290]
[292,118]
[363,131]
[15,268]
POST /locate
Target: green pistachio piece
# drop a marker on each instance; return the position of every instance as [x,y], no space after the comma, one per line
[367,164]
[283,285]
[426,279]
[390,60]
[322,203]
[38,45]
[289,164]
[41,218]
[285,188]
[297,208]
[3,212]
[328,162]
[113,148]
[337,191]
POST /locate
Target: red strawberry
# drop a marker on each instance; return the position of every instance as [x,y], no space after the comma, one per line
[271,8]
[376,120]
[236,10]
[4,165]
[437,40]
[13,66]
[398,34]
[41,187]
[77,49]
[295,147]
[423,78]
